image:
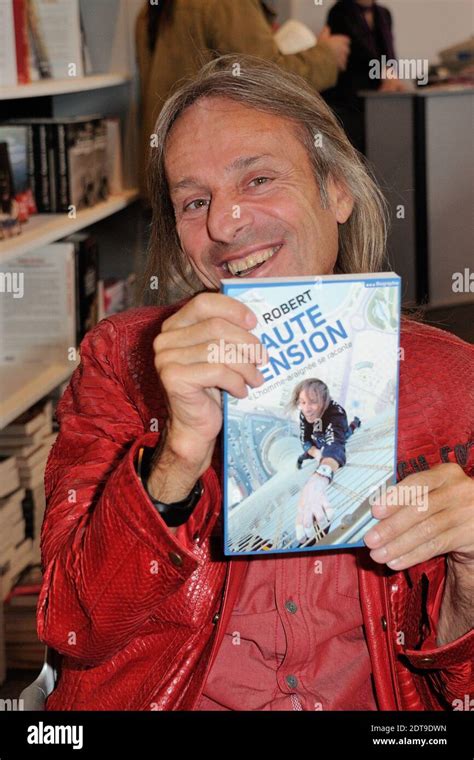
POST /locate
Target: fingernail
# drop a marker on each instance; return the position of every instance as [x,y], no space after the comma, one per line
[394,563]
[373,536]
[250,319]
[379,554]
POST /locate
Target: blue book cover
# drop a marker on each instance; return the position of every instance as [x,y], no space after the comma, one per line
[305,452]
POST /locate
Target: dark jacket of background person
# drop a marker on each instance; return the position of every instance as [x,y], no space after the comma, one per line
[188,33]
[347,17]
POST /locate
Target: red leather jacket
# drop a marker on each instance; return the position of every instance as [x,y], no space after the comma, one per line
[138,614]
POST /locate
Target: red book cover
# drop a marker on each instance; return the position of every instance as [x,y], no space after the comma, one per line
[21,41]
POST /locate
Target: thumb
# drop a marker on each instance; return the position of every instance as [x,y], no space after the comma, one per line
[324,34]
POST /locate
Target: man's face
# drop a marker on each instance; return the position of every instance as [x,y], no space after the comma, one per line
[310,405]
[242,186]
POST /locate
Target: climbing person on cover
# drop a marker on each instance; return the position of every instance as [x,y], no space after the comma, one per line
[324,431]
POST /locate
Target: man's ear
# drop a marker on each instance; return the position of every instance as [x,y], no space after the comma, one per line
[341,201]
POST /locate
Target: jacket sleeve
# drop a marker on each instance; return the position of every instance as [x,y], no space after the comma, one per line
[241,27]
[449,668]
[108,558]
[335,437]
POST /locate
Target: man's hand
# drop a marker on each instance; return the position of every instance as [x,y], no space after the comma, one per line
[340,45]
[192,381]
[428,514]
[313,503]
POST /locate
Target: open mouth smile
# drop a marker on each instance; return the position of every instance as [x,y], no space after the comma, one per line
[247,264]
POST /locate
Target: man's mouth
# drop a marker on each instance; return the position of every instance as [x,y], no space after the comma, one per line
[242,267]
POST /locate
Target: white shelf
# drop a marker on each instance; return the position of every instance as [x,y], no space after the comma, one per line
[42,229]
[47,87]
[24,385]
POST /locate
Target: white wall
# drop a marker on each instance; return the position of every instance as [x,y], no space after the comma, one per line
[422,27]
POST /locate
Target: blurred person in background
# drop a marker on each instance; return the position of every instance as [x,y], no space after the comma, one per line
[369,27]
[174,38]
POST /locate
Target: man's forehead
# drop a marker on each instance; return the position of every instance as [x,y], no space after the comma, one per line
[250,138]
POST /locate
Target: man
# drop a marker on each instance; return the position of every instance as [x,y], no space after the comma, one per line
[137,596]
[174,38]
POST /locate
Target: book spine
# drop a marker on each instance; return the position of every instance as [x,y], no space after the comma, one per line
[62,168]
[21,42]
[30,157]
[41,168]
[50,147]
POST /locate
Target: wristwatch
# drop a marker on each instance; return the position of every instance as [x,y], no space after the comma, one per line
[325,471]
[177,512]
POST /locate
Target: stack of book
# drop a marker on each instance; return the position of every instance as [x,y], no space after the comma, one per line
[23,649]
[62,164]
[27,441]
[13,545]
[41,39]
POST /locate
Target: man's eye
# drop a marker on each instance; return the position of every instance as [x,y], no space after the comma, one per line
[196,204]
[260,180]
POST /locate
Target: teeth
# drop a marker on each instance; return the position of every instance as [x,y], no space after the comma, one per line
[250,261]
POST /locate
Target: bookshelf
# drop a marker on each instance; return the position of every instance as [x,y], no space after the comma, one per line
[52,87]
[42,229]
[24,385]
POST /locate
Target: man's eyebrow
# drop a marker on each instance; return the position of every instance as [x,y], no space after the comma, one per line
[243,162]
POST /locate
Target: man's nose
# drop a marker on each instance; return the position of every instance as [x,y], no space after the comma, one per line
[227,217]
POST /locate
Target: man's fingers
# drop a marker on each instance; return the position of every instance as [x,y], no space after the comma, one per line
[441,544]
[207,305]
[414,499]
[180,378]
[427,532]
[213,330]
[199,354]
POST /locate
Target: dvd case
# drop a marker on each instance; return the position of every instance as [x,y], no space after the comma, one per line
[305,452]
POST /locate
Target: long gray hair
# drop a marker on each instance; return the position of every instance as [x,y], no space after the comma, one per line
[266,87]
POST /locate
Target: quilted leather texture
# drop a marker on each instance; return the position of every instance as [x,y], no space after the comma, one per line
[138,613]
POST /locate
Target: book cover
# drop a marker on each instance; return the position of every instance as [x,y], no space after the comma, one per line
[328,402]
[56,29]
[40,327]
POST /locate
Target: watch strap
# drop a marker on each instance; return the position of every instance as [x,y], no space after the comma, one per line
[175,513]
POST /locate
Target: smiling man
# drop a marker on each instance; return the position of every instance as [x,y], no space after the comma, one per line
[250,175]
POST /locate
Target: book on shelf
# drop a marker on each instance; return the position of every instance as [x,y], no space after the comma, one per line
[22,44]
[9,209]
[115,295]
[34,419]
[8,70]
[23,649]
[27,442]
[19,558]
[305,452]
[114,155]
[9,475]
[41,39]
[56,30]
[18,147]
[87,276]
[39,318]
[68,161]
